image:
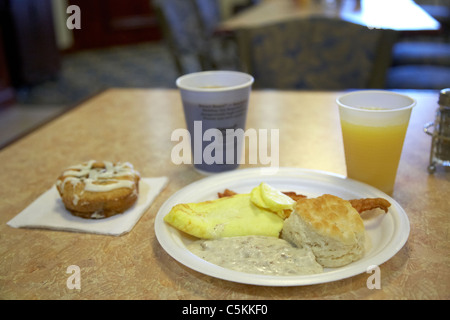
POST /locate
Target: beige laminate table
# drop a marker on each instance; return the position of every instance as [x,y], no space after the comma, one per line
[400,15]
[136,125]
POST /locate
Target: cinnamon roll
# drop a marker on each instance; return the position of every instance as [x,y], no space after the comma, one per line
[98,189]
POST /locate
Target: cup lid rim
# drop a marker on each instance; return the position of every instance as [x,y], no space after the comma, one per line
[247,83]
[386,92]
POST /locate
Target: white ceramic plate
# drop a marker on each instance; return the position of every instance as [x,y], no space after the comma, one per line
[388,232]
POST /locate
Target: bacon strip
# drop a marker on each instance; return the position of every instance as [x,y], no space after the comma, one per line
[366,204]
[360,205]
[226,193]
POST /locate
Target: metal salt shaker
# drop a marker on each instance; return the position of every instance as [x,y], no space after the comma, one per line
[440,145]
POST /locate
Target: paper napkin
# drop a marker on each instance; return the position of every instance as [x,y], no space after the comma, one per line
[48,212]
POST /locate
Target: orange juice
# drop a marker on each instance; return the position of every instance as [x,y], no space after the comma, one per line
[372,153]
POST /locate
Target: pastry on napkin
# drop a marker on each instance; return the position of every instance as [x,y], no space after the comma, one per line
[48,212]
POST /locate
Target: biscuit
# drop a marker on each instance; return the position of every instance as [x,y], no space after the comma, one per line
[98,189]
[330,227]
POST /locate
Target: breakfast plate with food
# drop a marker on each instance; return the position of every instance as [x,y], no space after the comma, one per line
[290,228]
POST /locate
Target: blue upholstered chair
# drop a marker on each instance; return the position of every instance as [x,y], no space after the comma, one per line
[222,47]
[316,53]
[418,77]
[422,61]
[188,27]
[209,15]
[183,33]
[420,65]
[435,53]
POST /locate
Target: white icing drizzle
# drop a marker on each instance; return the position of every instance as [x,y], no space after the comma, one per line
[92,177]
[90,186]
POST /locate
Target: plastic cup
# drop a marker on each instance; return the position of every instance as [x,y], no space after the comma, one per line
[374,125]
[215,106]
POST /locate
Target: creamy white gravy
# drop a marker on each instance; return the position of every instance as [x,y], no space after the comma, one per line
[258,255]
